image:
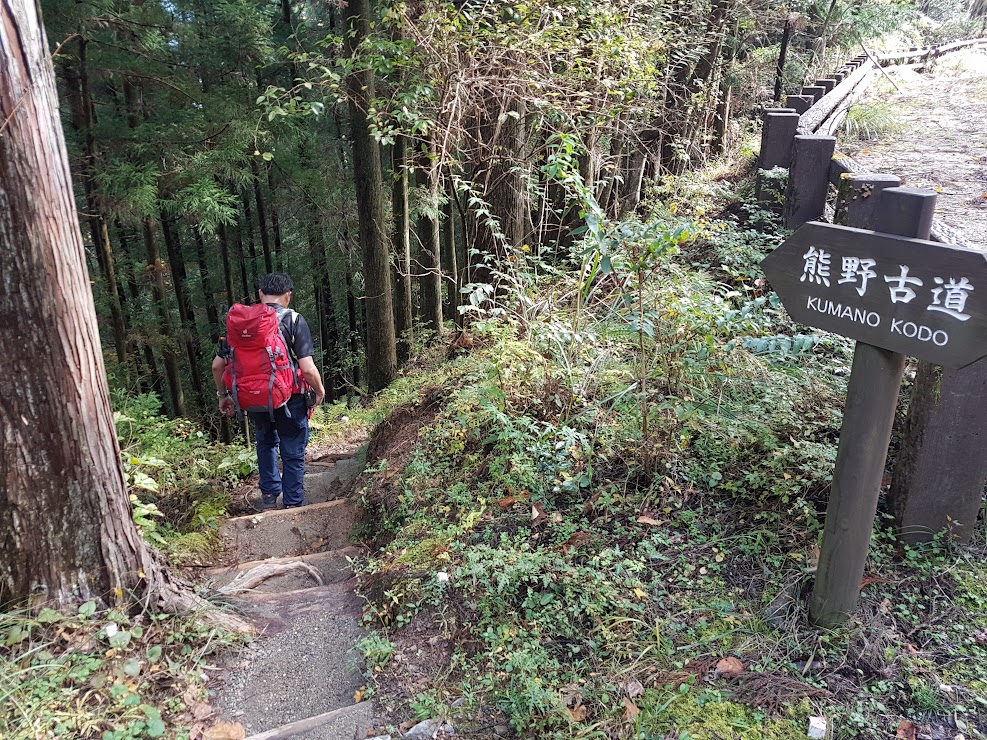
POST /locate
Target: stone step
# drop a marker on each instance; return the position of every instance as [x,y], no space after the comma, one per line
[334,598]
[323,486]
[328,480]
[287,532]
[332,565]
[340,724]
[348,469]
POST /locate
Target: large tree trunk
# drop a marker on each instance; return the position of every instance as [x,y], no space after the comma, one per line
[247,225]
[279,261]
[403,326]
[500,144]
[208,291]
[353,325]
[450,263]
[382,363]
[154,381]
[186,313]
[265,238]
[322,294]
[66,531]
[97,221]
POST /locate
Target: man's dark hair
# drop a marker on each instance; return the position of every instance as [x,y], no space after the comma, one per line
[276,283]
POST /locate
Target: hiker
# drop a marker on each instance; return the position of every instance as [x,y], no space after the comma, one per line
[276,393]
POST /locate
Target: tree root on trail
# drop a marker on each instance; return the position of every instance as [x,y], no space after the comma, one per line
[172,598]
[165,593]
[257,575]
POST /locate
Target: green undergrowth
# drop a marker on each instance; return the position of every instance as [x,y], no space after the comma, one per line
[620,488]
[179,480]
[104,674]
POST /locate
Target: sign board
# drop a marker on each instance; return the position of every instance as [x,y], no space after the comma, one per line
[915,297]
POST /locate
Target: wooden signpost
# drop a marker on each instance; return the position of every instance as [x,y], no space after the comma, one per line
[896,296]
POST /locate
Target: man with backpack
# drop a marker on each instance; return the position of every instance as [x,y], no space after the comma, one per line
[264,368]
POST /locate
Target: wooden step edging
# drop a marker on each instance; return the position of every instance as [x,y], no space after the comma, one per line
[296,728]
[279,513]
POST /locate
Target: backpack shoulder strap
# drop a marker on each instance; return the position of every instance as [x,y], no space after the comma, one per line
[287,338]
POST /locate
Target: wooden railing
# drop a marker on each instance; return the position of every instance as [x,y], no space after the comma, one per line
[801,138]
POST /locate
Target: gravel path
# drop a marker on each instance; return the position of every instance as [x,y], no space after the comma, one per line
[304,666]
[310,668]
[943,141]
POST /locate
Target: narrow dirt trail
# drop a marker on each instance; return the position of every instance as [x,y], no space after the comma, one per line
[288,573]
[942,144]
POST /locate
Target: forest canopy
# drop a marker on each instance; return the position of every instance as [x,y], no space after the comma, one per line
[212,142]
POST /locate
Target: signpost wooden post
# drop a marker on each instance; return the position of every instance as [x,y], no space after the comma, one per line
[896,296]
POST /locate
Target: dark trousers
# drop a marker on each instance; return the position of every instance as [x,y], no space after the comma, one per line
[289,434]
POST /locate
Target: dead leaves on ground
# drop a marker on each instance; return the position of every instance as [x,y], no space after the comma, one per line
[729,667]
[631,711]
[225,731]
[906,730]
[578,713]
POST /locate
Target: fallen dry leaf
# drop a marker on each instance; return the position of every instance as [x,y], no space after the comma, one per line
[633,688]
[225,731]
[578,539]
[506,502]
[648,520]
[538,514]
[359,694]
[630,710]
[577,714]
[201,710]
[729,667]
[906,730]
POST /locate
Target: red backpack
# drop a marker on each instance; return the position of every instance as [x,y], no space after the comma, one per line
[260,372]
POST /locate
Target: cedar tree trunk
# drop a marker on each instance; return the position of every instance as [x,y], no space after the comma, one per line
[382,362]
[66,531]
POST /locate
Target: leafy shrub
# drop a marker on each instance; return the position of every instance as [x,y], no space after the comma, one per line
[178,478]
[147,672]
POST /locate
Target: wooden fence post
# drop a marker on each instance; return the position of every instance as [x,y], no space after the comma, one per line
[816,91]
[938,480]
[777,140]
[827,83]
[800,103]
[872,397]
[808,179]
[858,197]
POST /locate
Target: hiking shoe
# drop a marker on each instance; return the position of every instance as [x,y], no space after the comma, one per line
[267,502]
[294,506]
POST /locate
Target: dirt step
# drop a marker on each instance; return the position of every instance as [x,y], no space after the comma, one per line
[304,665]
[339,724]
[287,532]
[333,566]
